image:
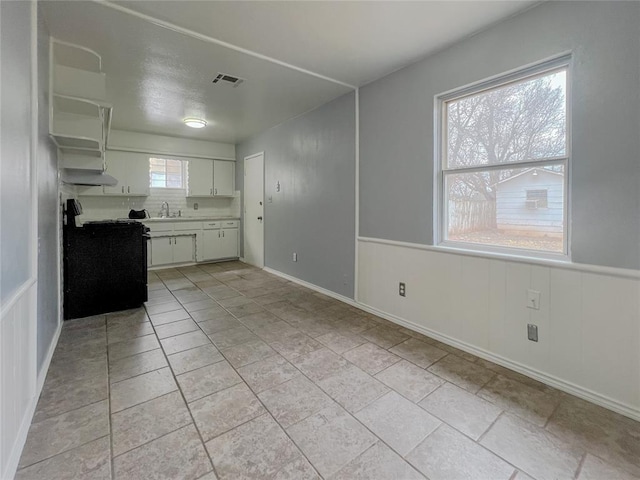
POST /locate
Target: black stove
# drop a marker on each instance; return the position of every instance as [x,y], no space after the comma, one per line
[105,267]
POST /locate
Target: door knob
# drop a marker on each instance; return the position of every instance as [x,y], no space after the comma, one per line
[260,218]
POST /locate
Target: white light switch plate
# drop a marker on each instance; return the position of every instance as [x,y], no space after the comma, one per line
[533,299]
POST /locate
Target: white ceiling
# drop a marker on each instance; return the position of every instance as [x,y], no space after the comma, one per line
[157,75]
[352,41]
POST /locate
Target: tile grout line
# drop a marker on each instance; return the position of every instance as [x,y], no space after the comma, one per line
[267,411]
[265,307]
[111,464]
[62,453]
[186,404]
[580,465]
[373,376]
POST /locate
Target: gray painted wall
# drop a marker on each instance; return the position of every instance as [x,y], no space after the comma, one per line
[48,227]
[15,149]
[397,112]
[312,156]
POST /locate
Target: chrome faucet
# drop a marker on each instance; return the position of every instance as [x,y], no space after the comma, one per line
[164,209]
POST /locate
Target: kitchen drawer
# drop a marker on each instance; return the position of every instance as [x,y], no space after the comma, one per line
[230,223]
[160,226]
[211,225]
[182,226]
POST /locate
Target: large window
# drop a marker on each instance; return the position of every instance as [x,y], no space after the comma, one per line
[166,173]
[504,153]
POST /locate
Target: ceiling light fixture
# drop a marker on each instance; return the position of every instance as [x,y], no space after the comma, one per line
[195,122]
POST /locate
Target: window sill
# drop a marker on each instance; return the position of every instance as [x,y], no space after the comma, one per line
[557,261]
[490,251]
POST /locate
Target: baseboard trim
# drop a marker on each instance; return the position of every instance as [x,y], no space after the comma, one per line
[18,446]
[312,286]
[552,381]
[191,264]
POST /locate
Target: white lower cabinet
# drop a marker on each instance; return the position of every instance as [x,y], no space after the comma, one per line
[183,249]
[180,241]
[209,244]
[219,243]
[167,250]
[229,243]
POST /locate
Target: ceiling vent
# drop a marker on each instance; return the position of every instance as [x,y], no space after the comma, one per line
[225,79]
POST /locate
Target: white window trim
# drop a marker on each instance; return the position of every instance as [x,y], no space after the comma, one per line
[183,173]
[439,204]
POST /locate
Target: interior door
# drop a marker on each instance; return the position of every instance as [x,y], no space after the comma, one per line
[254,210]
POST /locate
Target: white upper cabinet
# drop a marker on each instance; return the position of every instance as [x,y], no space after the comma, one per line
[132,172]
[210,178]
[200,178]
[223,178]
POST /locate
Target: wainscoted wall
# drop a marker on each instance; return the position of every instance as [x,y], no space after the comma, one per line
[588,322]
[28,314]
[18,374]
[106,207]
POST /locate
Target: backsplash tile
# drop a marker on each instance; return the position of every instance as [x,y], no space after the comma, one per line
[108,207]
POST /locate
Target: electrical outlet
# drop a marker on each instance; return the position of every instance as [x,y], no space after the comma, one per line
[195,206]
[532,332]
[295,257]
[533,299]
[402,289]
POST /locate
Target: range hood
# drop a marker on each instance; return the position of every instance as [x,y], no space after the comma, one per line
[92,178]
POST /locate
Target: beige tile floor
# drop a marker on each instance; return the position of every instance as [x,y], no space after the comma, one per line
[233,373]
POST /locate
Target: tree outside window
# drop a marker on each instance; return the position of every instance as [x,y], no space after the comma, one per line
[502,145]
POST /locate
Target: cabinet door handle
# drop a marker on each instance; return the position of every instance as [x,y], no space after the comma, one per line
[169,240]
[128,189]
[123,189]
[223,233]
[211,191]
[215,191]
[218,233]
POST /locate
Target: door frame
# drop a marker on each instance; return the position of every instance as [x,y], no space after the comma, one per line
[244,208]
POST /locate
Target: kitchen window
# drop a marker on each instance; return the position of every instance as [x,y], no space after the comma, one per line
[503,159]
[166,173]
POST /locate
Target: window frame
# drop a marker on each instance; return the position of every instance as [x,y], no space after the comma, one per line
[440,217]
[183,172]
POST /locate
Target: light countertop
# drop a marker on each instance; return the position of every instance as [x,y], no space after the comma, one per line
[173,219]
[187,219]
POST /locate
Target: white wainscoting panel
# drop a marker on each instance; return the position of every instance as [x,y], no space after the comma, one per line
[17,375]
[588,321]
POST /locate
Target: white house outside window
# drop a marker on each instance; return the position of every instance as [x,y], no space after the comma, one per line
[503,163]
